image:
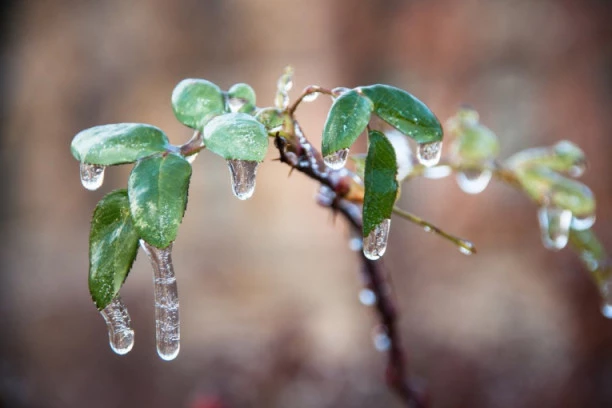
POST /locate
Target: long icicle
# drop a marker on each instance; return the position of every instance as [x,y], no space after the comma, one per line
[120,334]
[167,327]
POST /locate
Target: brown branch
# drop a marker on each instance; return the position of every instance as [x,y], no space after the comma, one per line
[303,157]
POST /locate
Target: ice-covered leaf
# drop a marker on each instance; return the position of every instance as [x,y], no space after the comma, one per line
[405,112]
[271,118]
[196,101]
[473,143]
[113,244]
[157,189]
[564,157]
[347,118]
[236,136]
[381,186]
[117,143]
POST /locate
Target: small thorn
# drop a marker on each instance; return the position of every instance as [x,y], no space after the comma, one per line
[290,171]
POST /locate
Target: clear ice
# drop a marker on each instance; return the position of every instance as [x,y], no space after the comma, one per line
[466,247]
[428,154]
[120,334]
[92,176]
[310,97]
[243,177]
[375,244]
[474,181]
[167,327]
[554,226]
[583,223]
[337,160]
[381,339]
[367,297]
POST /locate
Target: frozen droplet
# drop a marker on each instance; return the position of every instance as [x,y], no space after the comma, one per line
[583,223]
[375,244]
[167,325]
[474,181]
[340,90]
[554,226]
[437,172]
[381,339]
[92,176]
[577,169]
[243,174]
[606,293]
[235,104]
[367,297]
[310,97]
[606,310]
[337,160]
[356,244]
[428,154]
[120,334]
[466,247]
[191,158]
[427,228]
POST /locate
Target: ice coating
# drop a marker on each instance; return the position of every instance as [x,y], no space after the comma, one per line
[92,176]
[554,226]
[337,160]
[243,174]
[474,181]
[428,154]
[167,326]
[375,244]
[120,334]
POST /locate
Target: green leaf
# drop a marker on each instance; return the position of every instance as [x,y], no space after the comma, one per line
[381,186]
[244,95]
[271,118]
[118,143]
[236,136]
[473,143]
[347,118]
[405,112]
[157,189]
[564,157]
[113,244]
[196,101]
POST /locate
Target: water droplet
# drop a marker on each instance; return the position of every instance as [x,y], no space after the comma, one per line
[120,334]
[554,225]
[367,297]
[375,244]
[381,339]
[92,176]
[583,223]
[437,172]
[243,174]
[235,104]
[428,154]
[474,181]
[337,160]
[310,97]
[167,325]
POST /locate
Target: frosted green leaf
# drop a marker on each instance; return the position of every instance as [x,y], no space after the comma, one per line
[196,101]
[241,98]
[236,136]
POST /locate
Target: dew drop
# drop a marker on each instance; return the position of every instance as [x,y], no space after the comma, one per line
[367,297]
[243,174]
[428,154]
[120,334]
[310,97]
[337,160]
[474,181]
[583,223]
[92,176]
[167,325]
[381,339]
[375,244]
[554,226]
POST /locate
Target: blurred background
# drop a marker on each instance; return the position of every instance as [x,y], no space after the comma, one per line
[268,288]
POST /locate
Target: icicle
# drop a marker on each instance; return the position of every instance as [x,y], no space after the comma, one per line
[582,223]
[381,339]
[428,154]
[92,176]
[120,334]
[337,160]
[167,327]
[367,297]
[554,225]
[375,244]
[474,181]
[243,177]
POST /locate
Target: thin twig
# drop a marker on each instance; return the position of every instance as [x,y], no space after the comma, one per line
[307,91]
[302,156]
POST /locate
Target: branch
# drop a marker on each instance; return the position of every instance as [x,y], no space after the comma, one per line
[303,157]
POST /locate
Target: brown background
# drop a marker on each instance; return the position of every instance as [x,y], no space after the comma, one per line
[268,287]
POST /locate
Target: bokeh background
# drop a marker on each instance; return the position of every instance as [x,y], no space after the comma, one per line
[268,288]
